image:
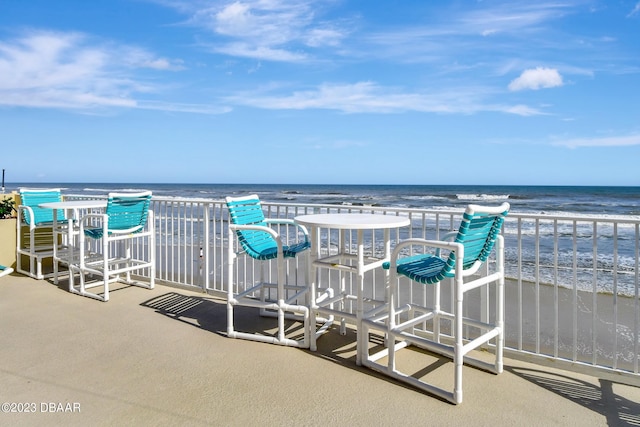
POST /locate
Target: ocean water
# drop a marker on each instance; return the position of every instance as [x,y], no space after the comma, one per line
[591,201]
[616,274]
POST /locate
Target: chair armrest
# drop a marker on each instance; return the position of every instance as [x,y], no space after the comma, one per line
[102,221]
[449,236]
[33,224]
[272,232]
[83,220]
[436,244]
[29,211]
[286,221]
[239,227]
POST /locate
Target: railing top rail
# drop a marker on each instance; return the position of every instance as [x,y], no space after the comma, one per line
[627,219]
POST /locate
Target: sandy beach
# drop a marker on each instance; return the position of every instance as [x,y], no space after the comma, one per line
[609,334]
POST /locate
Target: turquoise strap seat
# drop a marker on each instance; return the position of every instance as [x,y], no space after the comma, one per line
[421,268]
[478,232]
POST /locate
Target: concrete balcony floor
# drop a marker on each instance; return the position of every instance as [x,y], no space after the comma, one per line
[160,358]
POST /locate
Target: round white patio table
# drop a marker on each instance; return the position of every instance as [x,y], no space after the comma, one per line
[347,262]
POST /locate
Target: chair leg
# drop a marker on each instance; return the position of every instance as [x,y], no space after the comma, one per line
[55,271]
[436,309]
[18,262]
[105,267]
[281,335]
[39,274]
[458,351]
[279,309]
[152,255]
[399,333]
[500,303]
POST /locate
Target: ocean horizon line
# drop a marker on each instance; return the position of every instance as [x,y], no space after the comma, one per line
[21,183]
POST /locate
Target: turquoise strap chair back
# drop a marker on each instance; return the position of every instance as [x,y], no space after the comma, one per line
[127,213]
[478,233]
[248,211]
[33,198]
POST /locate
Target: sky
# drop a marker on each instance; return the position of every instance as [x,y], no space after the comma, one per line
[485,92]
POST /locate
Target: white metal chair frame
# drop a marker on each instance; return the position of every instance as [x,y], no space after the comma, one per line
[285,305]
[400,333]
[5,271]
[38,244]
[114,262]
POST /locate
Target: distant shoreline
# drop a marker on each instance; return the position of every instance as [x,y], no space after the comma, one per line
[552,285]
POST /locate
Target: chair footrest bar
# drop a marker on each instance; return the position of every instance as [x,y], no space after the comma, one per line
[436,391]
[267,339]
[436,347]
[482,339]
[336,313]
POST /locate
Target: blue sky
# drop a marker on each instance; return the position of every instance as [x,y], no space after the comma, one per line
[321,91]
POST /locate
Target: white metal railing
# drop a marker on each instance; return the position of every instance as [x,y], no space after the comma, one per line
[573,294]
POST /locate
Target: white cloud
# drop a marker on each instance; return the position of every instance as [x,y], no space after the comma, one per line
[65,70]
[138,58]
[275,30]
[635,10]
[511,17]
[247,50]
[537,78]
[488,32]
[607,141]
[521,110]
[368,97]
[453,34]
[182,108]
[324,37]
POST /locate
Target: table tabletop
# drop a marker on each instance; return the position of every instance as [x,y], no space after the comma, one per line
[352,221]
[75,204]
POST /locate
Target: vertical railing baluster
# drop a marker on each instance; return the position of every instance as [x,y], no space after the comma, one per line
[519,277]
[172,247]
[594,298]
[206,246]
[575,292]
[537,281]
[636,303]
[556,297]
[615,295]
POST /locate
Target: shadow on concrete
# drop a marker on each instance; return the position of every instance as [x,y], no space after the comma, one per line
[602,399]
[210,314]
